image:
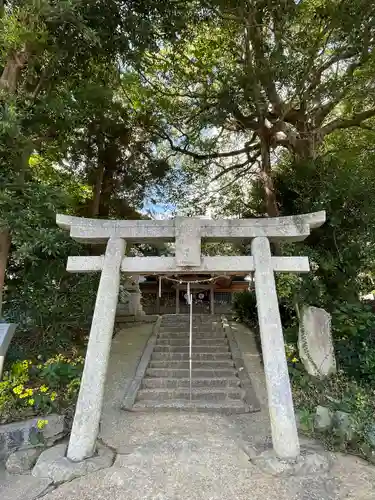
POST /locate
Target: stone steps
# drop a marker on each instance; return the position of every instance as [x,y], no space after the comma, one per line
[215,382]
[184,364]
[196,336]
[197,341]
[224,407]
[178,373]
[184,356]
[206,348]
[165,382]
[197,394]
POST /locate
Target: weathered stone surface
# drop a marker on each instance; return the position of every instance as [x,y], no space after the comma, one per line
[25,434]
[22,461]
[315,342]
[283,422]
[55,466]
[130,297]
[90,399]
[21,486]
[188,241]
[55,429]
[293,228]
[322,419]
[306,464]
[343,424]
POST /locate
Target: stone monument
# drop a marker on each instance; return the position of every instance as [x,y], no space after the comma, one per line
[187,233]
[315,343]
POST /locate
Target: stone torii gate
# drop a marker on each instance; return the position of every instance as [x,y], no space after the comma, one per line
[187,233]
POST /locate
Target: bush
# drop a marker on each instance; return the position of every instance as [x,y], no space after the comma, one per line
[245,308]
[353,328]
[33,388]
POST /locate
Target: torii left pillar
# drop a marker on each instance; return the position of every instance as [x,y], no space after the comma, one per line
[90,399]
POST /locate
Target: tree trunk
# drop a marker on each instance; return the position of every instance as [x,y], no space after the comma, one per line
[4,252]
[12,71]
[270,202]
[97,190]
[107,161]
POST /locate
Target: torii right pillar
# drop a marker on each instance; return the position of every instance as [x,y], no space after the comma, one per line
[280,402]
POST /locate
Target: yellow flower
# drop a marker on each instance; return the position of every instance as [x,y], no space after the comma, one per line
[53,396]
[31,402]
[39,367]
[43,388]
[294,360]
[18,389]
[41,424]
[24,395]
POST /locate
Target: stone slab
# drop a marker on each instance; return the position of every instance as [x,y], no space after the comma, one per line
[250,397]
[135,384]
[22,461]
[315,343]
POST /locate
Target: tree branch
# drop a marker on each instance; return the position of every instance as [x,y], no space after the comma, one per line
[250,160]
[317,75]
[355,121]
[209,156]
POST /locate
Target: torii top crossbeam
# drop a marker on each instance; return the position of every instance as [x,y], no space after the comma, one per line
[292,228]
[187,232]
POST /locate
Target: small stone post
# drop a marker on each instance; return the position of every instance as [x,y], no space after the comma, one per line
[283,423]
[90,399]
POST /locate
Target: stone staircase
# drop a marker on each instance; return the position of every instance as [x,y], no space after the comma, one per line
[215,382]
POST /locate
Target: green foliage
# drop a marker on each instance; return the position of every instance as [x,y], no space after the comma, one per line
[342,250]
[353,327]
[245,308]
[38,293]
[32,388]
[338,393]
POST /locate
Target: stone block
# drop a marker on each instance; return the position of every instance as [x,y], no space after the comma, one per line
[343,425]
[315,342]
[25,434]
[22,461]
[323,419]
[53,465]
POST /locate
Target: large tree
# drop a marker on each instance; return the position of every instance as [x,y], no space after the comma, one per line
[51,53]
[257,77]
